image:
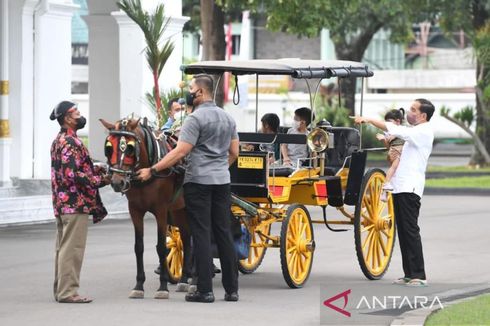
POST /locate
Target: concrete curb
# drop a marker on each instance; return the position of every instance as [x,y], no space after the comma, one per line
[419,316]
[456,191]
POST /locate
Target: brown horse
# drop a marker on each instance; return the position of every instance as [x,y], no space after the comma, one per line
[129,147]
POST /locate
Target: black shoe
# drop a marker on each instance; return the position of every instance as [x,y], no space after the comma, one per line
[233,296]
[216,270]
[206,297]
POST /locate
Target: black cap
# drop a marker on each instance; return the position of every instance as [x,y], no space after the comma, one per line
[61,109]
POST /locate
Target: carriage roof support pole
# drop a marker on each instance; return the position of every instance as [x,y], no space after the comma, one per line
[360,112]
[216,88]
[256,101]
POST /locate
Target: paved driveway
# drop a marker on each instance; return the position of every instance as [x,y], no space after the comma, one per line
[456,246]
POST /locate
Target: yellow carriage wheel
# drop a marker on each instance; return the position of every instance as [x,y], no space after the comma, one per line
[256,253]
[297,246]
[175,254]
[374,226]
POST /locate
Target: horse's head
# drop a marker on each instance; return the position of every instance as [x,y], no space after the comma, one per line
[122,150]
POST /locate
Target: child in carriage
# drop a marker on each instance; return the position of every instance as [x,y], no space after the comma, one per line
[394,145]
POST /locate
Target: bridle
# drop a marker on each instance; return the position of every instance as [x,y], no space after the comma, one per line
[125,148]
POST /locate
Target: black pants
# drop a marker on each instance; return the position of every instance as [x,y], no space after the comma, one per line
[407,207]
[208,210]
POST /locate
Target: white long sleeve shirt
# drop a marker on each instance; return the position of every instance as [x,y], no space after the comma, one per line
[410,174]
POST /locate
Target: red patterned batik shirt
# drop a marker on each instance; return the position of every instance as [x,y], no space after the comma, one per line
[74,180]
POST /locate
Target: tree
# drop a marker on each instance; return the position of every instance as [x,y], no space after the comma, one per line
[352,24]
[464,120]
[213,39]
[210,17]
[473,17]
[153,26]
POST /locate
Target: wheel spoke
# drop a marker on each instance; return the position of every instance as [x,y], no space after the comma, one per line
[374,249]
[366,240]
[378,252]
[303,231]
[367,228]
[385,233]
[381,208]
[367,217]
[383,246]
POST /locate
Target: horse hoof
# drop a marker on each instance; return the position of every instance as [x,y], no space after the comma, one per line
[137,294]
[182,287]
[192,289]
[161,295]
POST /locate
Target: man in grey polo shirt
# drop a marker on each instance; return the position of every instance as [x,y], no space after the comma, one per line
[209,138]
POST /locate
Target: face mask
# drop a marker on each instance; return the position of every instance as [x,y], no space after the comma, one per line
[81,123]
[296,124]
[189,98]
[411,118]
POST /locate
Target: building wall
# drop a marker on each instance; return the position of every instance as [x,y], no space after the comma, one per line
[273,45]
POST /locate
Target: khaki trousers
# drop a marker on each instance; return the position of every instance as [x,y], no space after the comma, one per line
[70,246]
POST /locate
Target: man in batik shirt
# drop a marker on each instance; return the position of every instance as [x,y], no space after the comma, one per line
[75,184]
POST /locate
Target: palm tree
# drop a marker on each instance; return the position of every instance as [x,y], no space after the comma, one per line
[153,26]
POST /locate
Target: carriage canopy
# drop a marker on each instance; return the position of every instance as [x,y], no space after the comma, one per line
[295,68]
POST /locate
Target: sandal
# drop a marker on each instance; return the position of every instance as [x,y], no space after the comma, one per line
[76,299]
[416,282]
[402,281]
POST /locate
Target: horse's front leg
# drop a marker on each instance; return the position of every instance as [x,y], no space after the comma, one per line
[162,292]
[138,291]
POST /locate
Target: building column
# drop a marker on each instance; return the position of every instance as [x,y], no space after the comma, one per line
[21,72]
[103,76]
[52,71]
[5,139]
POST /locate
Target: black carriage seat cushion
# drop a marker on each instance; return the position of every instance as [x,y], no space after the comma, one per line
[280,171]
[260,138]
[346,141]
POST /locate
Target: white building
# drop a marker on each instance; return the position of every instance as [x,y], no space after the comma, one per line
[36,74]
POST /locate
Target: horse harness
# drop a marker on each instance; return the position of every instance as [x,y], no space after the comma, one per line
[129,148]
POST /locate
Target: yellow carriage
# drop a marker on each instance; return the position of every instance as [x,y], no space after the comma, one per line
[334,176]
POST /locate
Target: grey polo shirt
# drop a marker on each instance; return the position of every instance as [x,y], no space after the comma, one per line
[210,130]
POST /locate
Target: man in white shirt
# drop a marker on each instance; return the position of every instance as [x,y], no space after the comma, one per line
[408,184]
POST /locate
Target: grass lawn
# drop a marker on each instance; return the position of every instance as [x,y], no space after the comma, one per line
[461,182]
[473,312]
[449,169]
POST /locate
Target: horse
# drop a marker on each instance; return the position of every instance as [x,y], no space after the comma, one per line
[132,145]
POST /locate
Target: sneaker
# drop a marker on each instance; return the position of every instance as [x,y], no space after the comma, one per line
[416,282]
[388,186]
[384,196]
[401,281]
[233,296]
[205,297]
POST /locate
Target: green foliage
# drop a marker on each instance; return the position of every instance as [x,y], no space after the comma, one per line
[466,115]
[165,97]
[369,137]
[153,26]
[346,20]
[337,116]
[481,44]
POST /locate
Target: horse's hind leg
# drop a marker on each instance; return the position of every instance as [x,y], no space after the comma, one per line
[162,292]
[138,291]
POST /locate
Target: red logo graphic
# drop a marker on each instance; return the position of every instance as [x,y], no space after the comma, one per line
[329,301]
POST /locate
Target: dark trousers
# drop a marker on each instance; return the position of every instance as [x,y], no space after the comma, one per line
[208,210]
[407,207]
